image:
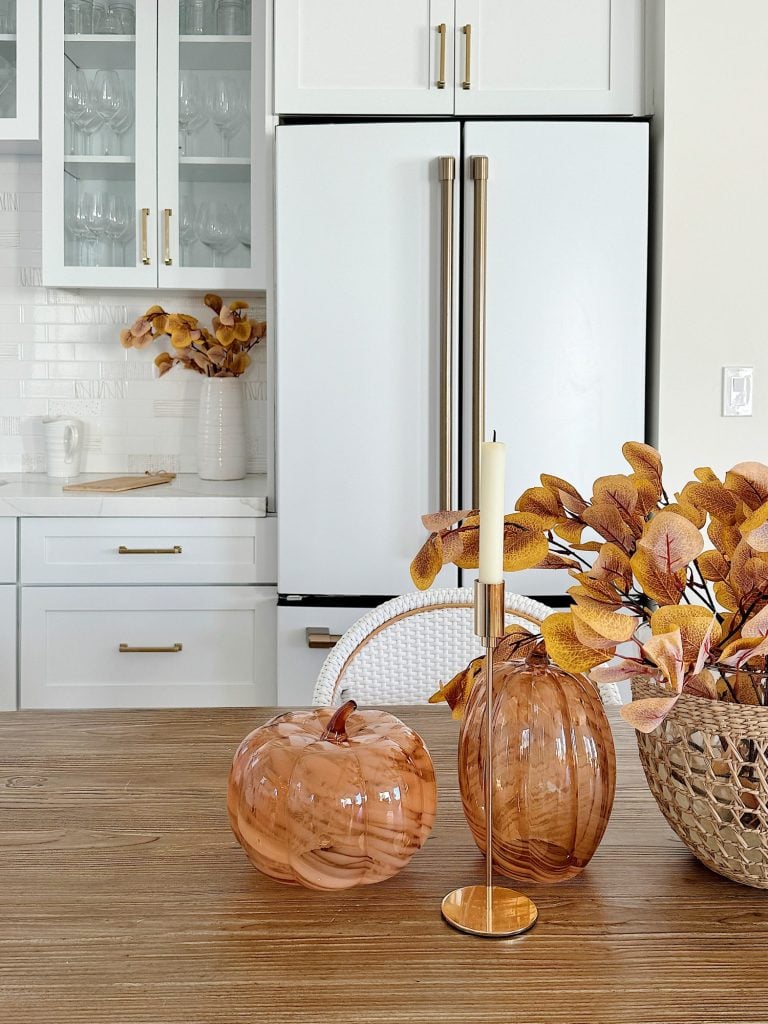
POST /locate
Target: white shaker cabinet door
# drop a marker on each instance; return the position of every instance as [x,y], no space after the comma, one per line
[7,648]
[147,647]
[549,56]
[7,550]
[363,57]
[358,380]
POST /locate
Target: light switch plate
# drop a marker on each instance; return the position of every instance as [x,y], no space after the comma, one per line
[737,390]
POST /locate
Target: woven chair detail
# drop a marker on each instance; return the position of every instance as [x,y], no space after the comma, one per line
[403,650]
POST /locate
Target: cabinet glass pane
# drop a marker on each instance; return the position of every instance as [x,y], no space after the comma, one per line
[100,144]
[7,58]
[214,113]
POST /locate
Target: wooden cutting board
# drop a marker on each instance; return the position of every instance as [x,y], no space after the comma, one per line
[115,484]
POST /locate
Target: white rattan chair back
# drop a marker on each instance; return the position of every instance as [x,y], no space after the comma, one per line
[402,651]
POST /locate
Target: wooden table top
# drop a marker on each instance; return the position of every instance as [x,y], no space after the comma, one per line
[125,898]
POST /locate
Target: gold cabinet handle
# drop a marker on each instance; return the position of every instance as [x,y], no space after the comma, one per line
[467,83]
[320,637]
[479,169]
[441,75]
[126,649]
[447,174]
[167,214]
[144,245]
[175,550]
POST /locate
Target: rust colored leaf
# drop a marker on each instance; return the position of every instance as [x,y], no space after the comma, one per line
[605,520]
[456,692]
[565,648]
[569,496]
[714,499]
[428,562]
[713,566]
[696,624]
[662,587]
[619,490]
[517,643]
[724,536]
[437,522]
[555,561]
[647,494]
[213,301]
[666,651]
[646,462]
[683,508]
[725,597]
[569,530]
[702,684]
[757,625]
[614,626]
[755,528]
[542,502]
[613,564]
[672,541]
[706,475]
[619,670]
[525,545]
[749,482]
[746,689]
[647,714]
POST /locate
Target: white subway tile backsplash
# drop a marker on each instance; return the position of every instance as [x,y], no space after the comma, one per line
[60,355]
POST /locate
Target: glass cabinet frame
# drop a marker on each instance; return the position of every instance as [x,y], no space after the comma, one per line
[25,41]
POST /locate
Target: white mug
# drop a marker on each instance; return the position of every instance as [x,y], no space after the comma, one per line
[63,442]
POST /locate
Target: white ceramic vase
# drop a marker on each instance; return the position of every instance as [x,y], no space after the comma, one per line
[221,450]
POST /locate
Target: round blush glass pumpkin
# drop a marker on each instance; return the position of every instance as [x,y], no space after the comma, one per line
[332,799]
[554,767]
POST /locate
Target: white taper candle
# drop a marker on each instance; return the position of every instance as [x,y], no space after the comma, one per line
[493,457]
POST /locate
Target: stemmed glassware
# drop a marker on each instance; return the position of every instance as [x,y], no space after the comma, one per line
[77,226]
[108,100]
[187,229]
[227,108]
[116,223]
[123,117]
[75,93]
[216,228]
[95,206]
[243,216]
[192,115]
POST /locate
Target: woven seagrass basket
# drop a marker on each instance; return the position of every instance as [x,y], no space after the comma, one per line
[707,767]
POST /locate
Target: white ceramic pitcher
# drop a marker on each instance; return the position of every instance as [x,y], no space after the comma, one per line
[63,445]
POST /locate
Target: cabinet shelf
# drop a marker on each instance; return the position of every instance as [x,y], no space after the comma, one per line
[97,51]
[100,168]
[8,48]
[222,169]
[215,53]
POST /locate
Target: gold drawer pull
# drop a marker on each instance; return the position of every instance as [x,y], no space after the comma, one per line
[467,83]
[319,637]
[175,550]
[144,243]
[441,75]
[125,649]
[167,260]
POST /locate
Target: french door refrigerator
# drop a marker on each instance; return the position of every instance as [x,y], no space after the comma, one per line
[437,280]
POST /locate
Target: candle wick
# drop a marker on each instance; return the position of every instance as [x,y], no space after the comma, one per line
[494,437]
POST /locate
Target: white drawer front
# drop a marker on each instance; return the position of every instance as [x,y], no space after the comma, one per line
[7,648]
[298,664]
[71,639]
[85,550]
[7,550]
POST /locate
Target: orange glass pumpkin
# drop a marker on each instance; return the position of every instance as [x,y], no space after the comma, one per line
[332,799]
[554,768]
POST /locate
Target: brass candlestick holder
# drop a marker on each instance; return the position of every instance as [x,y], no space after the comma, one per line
[489,910]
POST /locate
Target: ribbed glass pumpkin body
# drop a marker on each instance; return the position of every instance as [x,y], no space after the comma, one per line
[554,770]
[332,800]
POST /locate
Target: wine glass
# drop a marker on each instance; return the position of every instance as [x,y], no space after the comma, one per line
[190,107]
[216,228]
[187,229]
[244,224]
[226,109]
[89,120]
[117,216]
[128,233]
[123,117]
[77,225]
[75,91]
[108,98]
[111,25]
[95,206]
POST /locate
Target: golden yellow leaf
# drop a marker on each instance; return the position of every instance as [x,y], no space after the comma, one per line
[647,714]
[646,462]
[592,639]
[706,475]
[613,564]
[524,542]
[213,301]
[619,490]
[703,684]
[542,502]
[239,304]
[456,692]
[725,536]
[647,494]
[242,330]
[615,626]
[462,547]
[746,688]
[569,530]
[569,496]
[181,338]
[666,651]
[564,647]
[694,623]
[713,566]
[683,508]
[672,541]
[725,597]
[755,528]
[712,498]
[225,336]
[604,518]
[428,562]
[662,587]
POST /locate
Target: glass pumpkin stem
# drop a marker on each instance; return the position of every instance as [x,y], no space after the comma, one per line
[336,730]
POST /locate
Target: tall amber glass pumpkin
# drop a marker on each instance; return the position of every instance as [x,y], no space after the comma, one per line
[332,799]
[554,769]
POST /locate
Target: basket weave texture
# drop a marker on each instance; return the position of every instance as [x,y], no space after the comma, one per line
[707,767]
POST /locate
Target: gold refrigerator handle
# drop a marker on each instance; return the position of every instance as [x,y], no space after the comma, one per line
[479,171]
[447,175]
[442,28]
[143,235]
[467,83]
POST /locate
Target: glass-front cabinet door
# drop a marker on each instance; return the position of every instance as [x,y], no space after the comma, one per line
[211,167]
[99,143]
[19,69]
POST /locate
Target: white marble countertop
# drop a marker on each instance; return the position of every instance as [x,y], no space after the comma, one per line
[34,494]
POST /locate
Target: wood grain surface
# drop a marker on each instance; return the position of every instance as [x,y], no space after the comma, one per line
[125,898]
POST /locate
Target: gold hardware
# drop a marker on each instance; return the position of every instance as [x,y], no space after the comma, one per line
[441,77]
[125,649]
[467,83]
[479,168]
[167,236]
[320,637]
[175,550]
[144,250]
[446,173]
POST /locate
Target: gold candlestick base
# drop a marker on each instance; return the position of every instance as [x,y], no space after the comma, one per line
[489,910]
[495,913]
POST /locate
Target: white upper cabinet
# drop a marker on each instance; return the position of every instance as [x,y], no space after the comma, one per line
[154,146]
[19,70]
[463,57]
[549,56]
[364,56]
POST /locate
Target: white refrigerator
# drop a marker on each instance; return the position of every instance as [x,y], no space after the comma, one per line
[435,281]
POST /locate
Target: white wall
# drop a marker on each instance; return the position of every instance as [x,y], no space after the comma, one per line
[714,251]
[60,354]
